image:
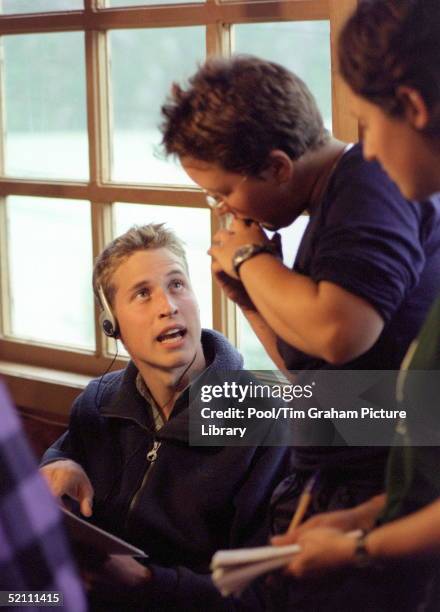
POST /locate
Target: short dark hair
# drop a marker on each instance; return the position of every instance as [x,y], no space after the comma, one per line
[236,111]
[389,43]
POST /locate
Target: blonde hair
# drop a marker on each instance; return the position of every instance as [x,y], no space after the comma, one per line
[137,238]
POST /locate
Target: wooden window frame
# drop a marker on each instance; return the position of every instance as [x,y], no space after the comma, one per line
[218,19]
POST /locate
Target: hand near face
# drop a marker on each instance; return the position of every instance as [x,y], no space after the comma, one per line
[233,288]
[226,242]
[119,579]
[67,477]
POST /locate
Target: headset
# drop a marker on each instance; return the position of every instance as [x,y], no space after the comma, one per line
[107,319]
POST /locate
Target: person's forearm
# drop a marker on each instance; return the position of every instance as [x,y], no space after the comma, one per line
[284,300]
[366,514]
[415,535]
[266,335]
[321,319]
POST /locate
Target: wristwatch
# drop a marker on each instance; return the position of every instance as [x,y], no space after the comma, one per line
[361,555]
[247,251]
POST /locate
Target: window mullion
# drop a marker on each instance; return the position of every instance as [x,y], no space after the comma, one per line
[101,235]
[345,125]
[224,314]
[2,108]
[5,309]
[98,107]
[218,39]
[4,263]
[99,135]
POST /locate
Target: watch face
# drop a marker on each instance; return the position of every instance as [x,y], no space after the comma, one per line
[244,253]
[247,250]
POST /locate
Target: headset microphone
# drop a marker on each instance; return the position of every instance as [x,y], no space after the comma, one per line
[107,319]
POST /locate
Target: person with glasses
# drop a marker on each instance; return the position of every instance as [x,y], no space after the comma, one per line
[390,58]
[249,133]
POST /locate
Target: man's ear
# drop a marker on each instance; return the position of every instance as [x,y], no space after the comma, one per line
[416,111]
[279,167]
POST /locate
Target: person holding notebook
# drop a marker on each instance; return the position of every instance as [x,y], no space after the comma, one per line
[249,133]
[127,458]
[390,57]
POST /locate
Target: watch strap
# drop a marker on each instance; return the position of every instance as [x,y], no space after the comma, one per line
[247,251]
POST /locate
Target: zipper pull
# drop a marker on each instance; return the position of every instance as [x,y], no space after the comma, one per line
[152,454]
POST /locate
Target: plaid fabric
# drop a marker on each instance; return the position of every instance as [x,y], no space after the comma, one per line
[34,554]
[142,388]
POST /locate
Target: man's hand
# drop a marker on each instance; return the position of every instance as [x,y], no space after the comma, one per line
[322,550]
[233,288]
[119,579]
[226,242]
[362,517]
[66,477]
[344,520]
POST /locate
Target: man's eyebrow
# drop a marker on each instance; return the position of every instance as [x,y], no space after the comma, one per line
[139,285]
[147,283]
[176,271]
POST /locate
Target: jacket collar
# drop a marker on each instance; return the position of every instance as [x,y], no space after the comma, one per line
[126,402]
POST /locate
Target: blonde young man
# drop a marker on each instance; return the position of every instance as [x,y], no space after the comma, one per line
[126,457]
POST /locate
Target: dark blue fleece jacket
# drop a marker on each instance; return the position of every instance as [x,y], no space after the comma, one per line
[190,502]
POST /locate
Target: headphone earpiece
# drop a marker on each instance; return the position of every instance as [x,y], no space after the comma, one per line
[107,319]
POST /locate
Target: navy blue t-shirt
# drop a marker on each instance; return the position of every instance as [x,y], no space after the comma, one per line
[366,238]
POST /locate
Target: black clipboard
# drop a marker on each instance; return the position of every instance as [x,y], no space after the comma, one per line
[87,535]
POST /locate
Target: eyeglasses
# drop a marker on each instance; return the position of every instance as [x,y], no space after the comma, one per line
[217,202]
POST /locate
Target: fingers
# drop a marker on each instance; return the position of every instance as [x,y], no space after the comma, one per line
[86,504]
[219,239]
[216,267]
[284,539]
[296,568]
[291,538]
[55,476]
[85,494]
[67,477]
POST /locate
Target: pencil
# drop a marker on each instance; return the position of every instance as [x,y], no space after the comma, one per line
[303,503]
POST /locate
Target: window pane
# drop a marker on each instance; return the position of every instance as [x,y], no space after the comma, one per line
[45,100]
[303,47]
[193,226]
[39,6]
[144,63]
[255,357]
[50,271]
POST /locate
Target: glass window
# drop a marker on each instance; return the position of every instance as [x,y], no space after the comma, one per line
[50,271]
[39,6]
[193,226]
[45,104]
[255,357]
[301,46]
[144,63]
